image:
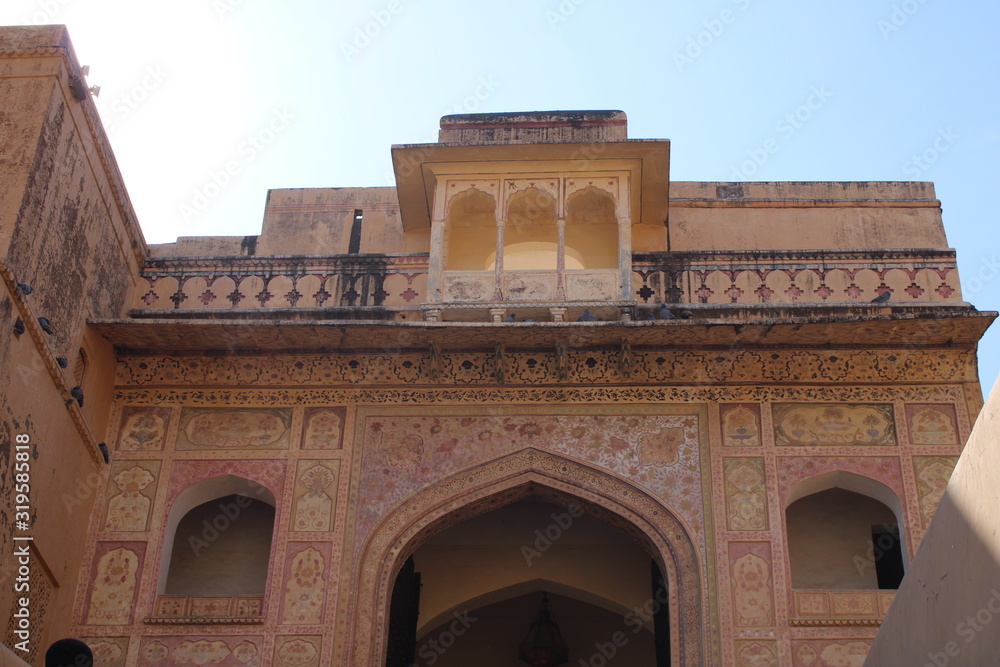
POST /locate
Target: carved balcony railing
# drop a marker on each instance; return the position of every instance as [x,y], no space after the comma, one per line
[796,276]
[215,609]
[840,607]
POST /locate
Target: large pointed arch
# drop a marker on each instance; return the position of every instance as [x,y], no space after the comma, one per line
[505,480]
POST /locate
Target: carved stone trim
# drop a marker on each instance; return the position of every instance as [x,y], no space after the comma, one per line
[504,481]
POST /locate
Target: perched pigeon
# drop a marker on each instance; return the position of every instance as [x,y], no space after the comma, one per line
[665,313]
[62,361]
[509,318]
[25,289]
[883,297]
[685,314]
[586,316]
[44,323]
[18,326]
[77,393]
[652,316]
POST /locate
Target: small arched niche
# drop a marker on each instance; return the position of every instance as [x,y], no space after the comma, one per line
[530,240]
[471,230]
[592,228]
[844,531]
[218,539]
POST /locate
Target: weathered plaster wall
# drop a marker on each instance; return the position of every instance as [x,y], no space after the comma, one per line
[952,590]
[800,216]
[68,231]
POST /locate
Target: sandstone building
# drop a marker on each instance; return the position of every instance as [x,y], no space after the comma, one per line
[378,432]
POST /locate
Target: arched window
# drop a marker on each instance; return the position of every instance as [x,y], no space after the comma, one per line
[531,238]
[218,538]
[472,231]
[592,229]
[843,534]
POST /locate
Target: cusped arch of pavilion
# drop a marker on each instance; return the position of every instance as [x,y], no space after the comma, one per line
[529,472]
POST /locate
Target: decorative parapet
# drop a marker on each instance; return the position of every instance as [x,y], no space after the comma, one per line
[840,608]
[399,282]
[393,282]
[796,276]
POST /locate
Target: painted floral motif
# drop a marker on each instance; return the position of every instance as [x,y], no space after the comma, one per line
[661,449]
[833,424]
[129,509]
[844,654]
[752,590]
[932,474]
[638,445]
[746,500]
[741,426]
[155,652]
[933,425]
[314,507]
[853,604]
[296,652]
[201,652]
[114,588]
[105,653]
[230,429]
[305,588]
[806,655]
[401,449]
[210,607]
[245,652]
[323,430]
[171,606]
[143,431]
[756,654]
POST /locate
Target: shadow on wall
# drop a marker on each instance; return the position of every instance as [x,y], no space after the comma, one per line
[947,611]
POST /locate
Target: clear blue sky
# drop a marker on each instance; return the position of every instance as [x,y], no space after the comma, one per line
[188,85]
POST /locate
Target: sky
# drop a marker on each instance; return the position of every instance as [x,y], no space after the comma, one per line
[210,103]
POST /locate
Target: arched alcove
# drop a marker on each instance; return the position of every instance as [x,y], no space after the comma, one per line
[237,517]
[844,531]
[592,228]
[529,473]
[472,232]
[530,235]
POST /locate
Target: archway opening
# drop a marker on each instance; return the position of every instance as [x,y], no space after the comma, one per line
[218,537]
[478,585]
[842,539]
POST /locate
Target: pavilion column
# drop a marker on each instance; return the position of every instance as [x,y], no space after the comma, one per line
[625,258]
[561,259]
[435,267]
[498,276]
